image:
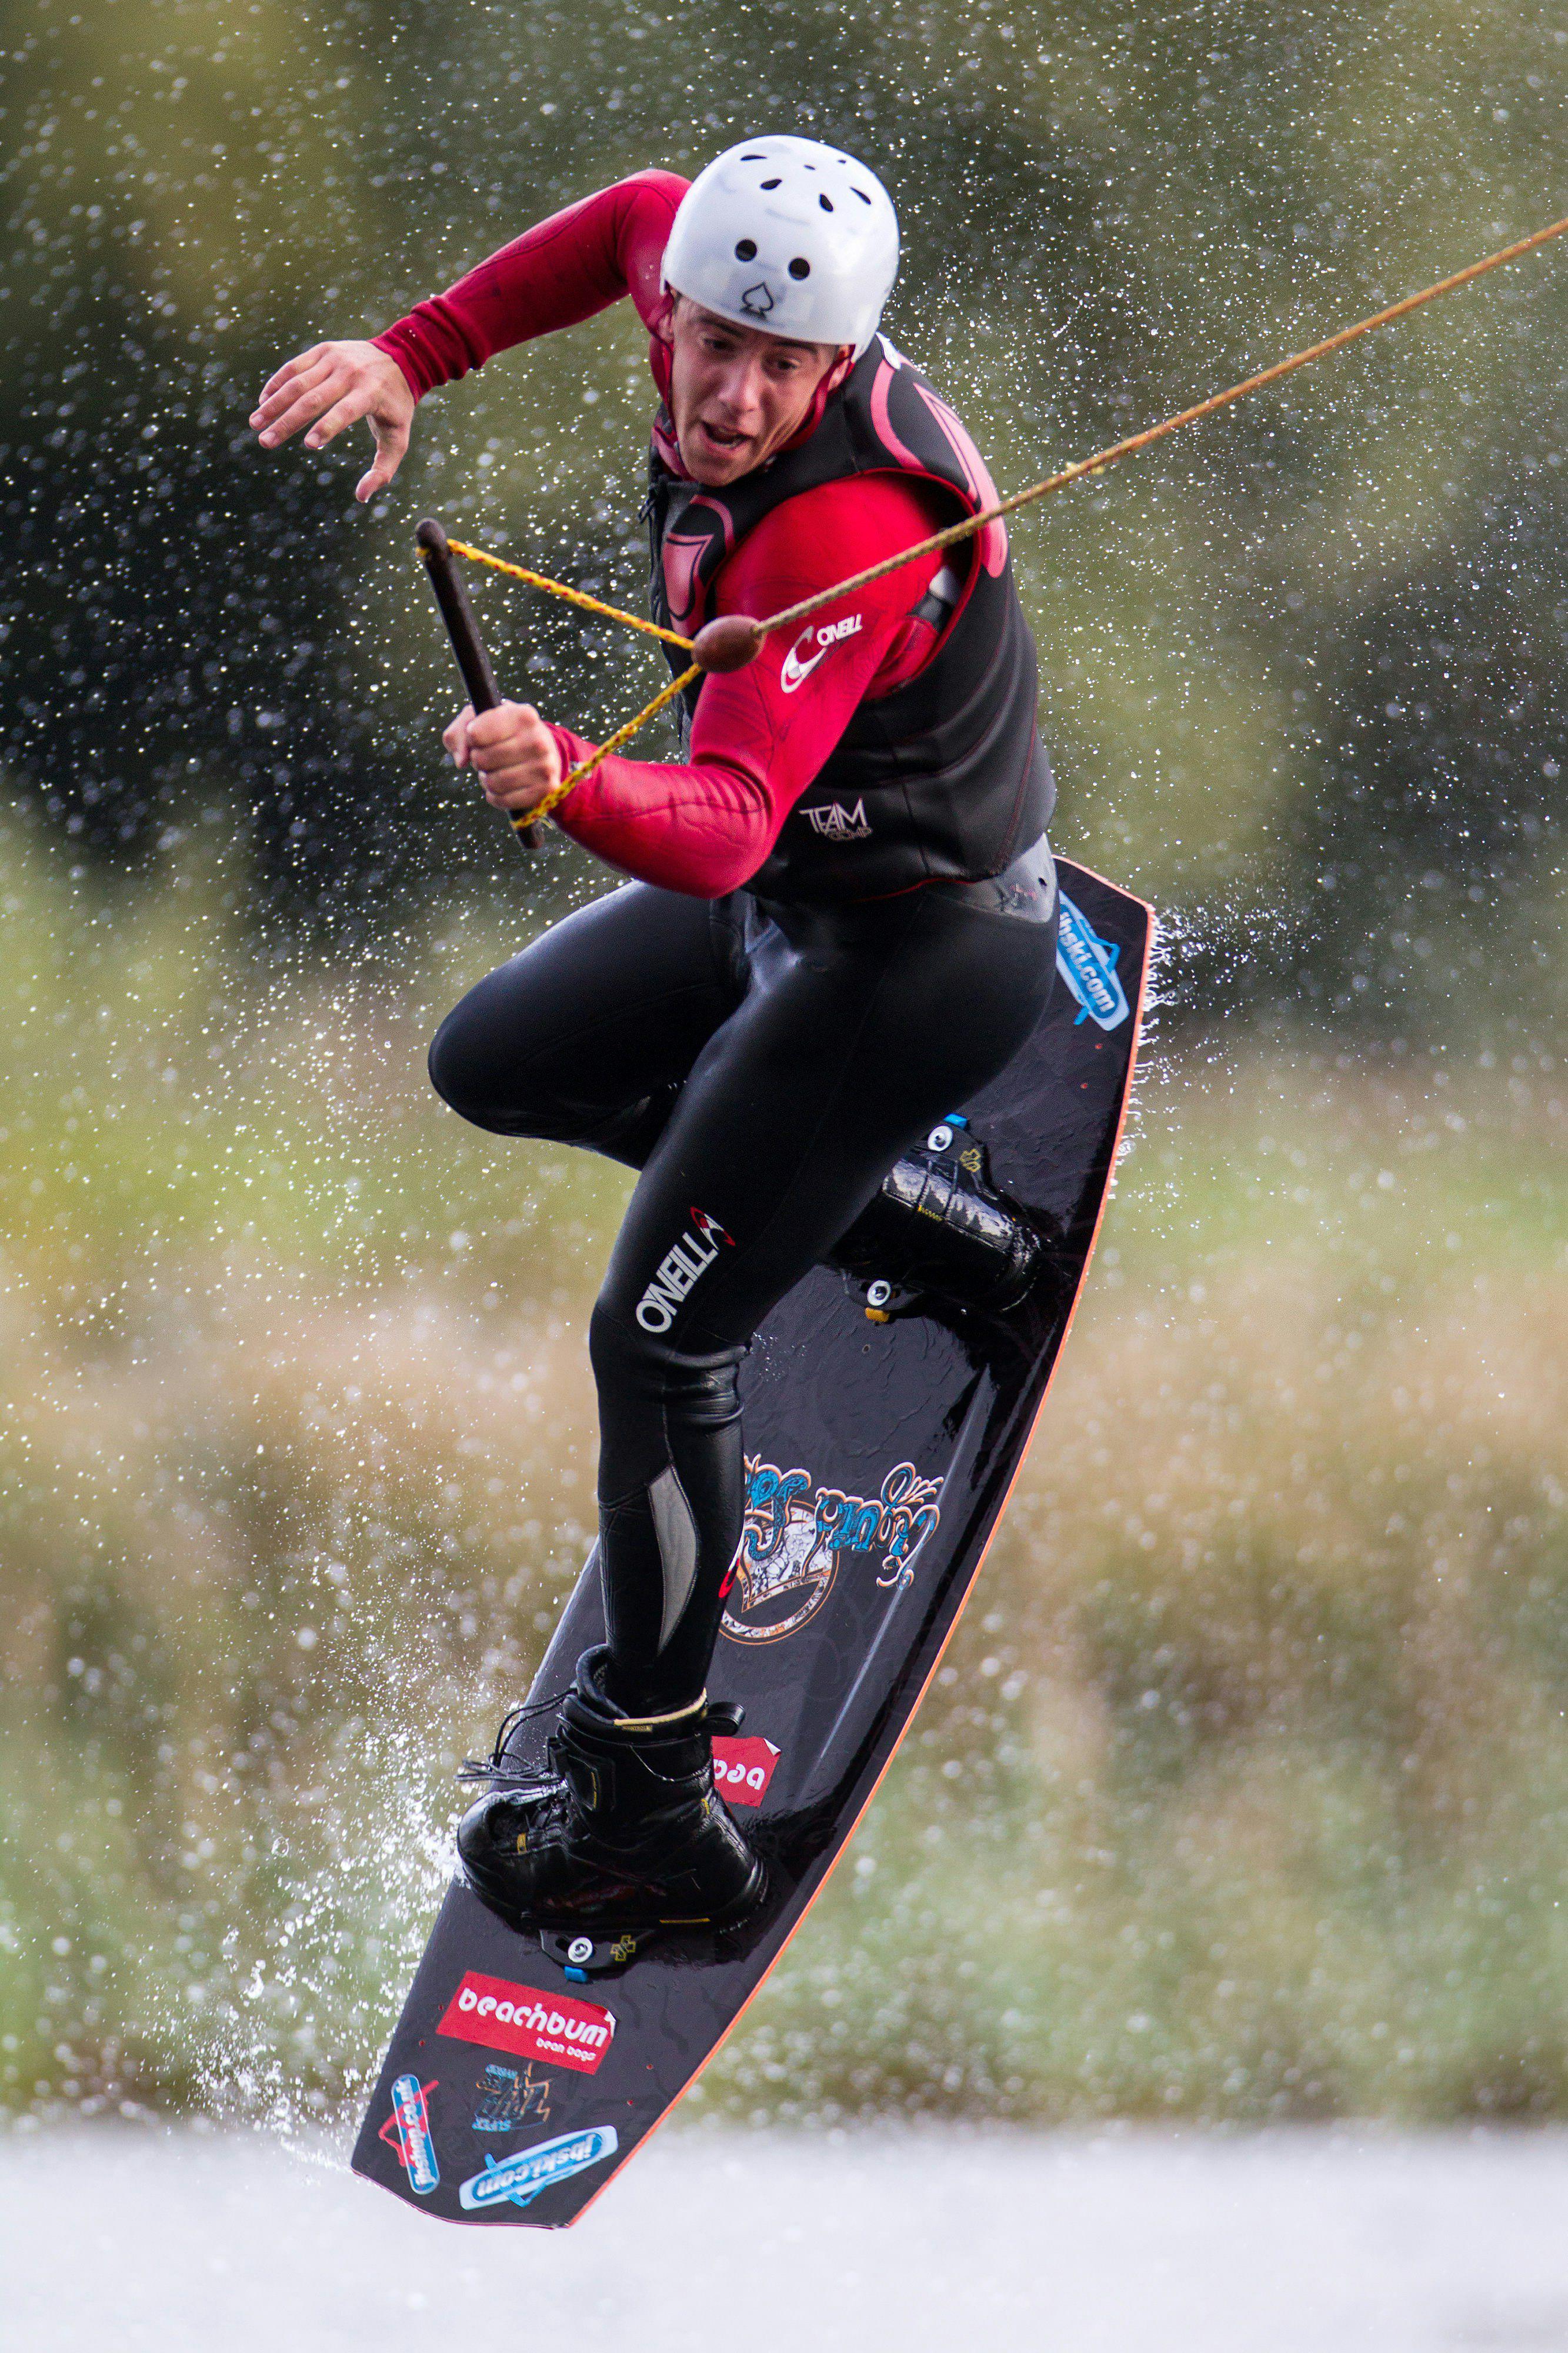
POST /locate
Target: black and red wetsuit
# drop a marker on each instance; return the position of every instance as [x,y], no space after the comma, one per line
[759,1023]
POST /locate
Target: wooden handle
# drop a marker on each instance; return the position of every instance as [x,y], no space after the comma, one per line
[462,627]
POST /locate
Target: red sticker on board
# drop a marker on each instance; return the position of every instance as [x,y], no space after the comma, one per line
[553,2026]
[743,1769]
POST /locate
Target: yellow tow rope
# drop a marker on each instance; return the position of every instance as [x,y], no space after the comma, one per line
[611,613]
[1080,471]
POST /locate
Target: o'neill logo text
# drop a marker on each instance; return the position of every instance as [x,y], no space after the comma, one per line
[835,823]
[800,660]
[686,1264]
[517,2181]
[554,2026]
[1087,964]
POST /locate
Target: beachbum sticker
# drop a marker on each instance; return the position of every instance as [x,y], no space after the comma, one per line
[517,2181]
[554,2026]
[1087,964]
[407,2130]
[796,1534]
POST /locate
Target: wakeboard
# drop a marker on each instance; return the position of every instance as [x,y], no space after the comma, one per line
[524,2071]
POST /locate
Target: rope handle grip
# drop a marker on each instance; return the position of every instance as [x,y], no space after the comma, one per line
[472,660]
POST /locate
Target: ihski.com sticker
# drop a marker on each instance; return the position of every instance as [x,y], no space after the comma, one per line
[517,2181]
[1087,964]
[535,2025]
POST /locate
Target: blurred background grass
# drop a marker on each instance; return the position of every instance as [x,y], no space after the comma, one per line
[1246,1793]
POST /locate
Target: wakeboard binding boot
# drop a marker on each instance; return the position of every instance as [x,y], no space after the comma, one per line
[624,1838]
[939,1231]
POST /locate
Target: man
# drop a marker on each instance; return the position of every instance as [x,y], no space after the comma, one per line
[842,920]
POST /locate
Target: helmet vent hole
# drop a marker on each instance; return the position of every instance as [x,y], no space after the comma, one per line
[754,159]
[827,203]
[746,251]
[772,183]
[863,196]
[800,267]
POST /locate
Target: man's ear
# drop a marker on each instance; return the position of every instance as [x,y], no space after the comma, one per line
[840,368]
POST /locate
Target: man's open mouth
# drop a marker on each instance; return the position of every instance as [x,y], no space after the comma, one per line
[721,437]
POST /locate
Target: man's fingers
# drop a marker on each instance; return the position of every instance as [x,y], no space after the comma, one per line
[510,749]
[493,749]
[307,408]
[289,369]
[323,391]
[285,389]
[346,410]
[379,474]
[515,788]
[507,719]
[390,448]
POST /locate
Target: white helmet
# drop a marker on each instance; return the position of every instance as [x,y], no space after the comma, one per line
[790,235]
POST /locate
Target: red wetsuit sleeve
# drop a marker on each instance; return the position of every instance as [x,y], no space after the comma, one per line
[576,263]
[762,733]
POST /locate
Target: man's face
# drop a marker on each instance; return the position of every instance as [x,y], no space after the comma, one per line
[736,394]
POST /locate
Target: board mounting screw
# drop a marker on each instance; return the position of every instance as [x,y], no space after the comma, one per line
[580,1949]
[938,1139]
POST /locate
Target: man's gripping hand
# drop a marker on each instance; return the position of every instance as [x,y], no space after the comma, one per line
[331,387]
[512,750]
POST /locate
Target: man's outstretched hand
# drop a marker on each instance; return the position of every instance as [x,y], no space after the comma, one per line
[331,387]
[512,750]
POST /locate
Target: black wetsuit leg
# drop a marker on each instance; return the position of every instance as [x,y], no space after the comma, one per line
[587,1036]
[767,1065]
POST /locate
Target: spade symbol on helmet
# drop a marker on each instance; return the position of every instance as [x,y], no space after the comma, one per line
[758,300]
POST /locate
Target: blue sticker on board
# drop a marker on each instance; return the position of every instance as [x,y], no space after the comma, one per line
[1087,964]
[407,2130]
[520,2178]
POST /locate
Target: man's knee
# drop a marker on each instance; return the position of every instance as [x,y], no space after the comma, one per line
[636,1362]
[459,1072]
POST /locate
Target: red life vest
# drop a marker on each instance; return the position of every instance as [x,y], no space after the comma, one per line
[945,778]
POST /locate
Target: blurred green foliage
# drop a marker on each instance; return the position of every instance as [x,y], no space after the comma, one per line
[1304,669]
[1243,1793]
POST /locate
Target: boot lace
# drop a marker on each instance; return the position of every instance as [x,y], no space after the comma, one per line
[495,1769]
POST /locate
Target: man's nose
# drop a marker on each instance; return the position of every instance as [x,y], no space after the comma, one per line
[742,385]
